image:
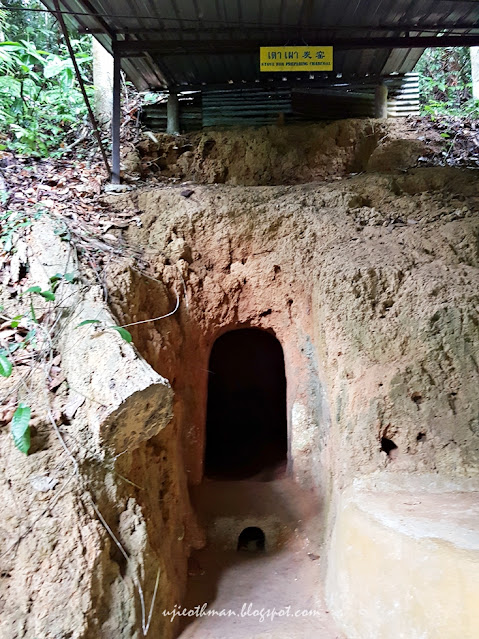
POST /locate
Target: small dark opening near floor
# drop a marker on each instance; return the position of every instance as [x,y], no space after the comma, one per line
[246,429]
[252,539]
[387,446]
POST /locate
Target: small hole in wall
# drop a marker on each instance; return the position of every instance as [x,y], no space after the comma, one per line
[417,399]
[277,269]
[265,313]
[252,539]
[23,271]
[387,446]
[421,437]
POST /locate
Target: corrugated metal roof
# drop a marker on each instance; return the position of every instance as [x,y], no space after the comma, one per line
[214,42]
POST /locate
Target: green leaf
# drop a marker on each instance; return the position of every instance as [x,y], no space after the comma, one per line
[16,321]
[54,67]
[33,289]
[48,295]
[5,366]
[20,428]
[68,277]
[124,333]
[85,322]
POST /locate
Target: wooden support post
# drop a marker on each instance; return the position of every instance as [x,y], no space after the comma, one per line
[115,120]
[381,101]
[173,114]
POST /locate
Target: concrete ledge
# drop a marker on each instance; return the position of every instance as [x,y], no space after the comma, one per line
[405,565]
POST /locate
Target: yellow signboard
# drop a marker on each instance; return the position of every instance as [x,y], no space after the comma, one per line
[296,58]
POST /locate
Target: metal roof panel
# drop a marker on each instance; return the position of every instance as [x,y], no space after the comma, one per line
[257,21]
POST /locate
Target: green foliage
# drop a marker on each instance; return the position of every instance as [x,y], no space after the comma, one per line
[20,428]
[16,321]
[5,366]
[34,340]
[40,27]
[86,322]
[445,82]
[124,333]
[67,277]
[48,295]
[40,102]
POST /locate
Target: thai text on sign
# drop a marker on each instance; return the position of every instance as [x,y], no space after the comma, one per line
[296,58]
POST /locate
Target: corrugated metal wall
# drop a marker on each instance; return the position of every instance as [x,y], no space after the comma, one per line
[191,116]
[403,95]
[245,107]
[257,106]
[356,99]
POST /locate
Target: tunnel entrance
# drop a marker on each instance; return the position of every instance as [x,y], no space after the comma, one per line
[251,539]
[246,430]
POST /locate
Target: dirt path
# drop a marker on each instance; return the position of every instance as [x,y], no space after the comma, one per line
[249,585]
[260,595]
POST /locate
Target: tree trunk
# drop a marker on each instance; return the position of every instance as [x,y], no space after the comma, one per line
[475,72]
[103,82]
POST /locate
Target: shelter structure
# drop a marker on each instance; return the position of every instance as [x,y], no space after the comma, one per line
[179,45]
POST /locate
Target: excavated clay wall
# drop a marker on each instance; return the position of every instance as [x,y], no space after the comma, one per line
[369,284]
[230,271]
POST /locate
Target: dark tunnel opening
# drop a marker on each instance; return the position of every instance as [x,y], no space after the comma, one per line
[252,539]
[246,429]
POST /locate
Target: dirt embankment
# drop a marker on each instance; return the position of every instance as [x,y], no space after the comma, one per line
[281,154]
